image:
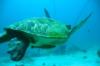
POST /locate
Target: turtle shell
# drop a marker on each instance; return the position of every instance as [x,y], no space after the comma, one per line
[45,27]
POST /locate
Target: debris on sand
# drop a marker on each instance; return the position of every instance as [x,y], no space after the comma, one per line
[98,53]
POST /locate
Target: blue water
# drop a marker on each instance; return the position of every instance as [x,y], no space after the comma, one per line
[67,11]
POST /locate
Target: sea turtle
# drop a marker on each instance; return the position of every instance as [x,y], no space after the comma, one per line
[39,32]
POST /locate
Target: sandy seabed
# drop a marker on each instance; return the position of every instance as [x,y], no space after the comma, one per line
[89,58]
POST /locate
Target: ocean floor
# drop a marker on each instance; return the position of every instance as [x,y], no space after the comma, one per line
[89,58]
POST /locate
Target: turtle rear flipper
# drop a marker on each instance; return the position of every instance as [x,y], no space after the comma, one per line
[78,26]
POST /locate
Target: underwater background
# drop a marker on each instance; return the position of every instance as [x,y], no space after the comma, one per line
[82,49]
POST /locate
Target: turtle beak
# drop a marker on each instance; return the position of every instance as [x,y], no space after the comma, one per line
[18,52]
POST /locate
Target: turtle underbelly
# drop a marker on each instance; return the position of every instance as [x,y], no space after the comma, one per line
[48,41]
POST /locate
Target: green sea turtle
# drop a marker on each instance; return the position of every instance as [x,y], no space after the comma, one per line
[39,33]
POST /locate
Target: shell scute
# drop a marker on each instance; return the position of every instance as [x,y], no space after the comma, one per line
[42,27]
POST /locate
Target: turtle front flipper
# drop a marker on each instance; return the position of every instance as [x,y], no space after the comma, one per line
[47,13]
[18,52]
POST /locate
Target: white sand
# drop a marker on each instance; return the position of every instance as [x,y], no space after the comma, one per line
[79,58]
